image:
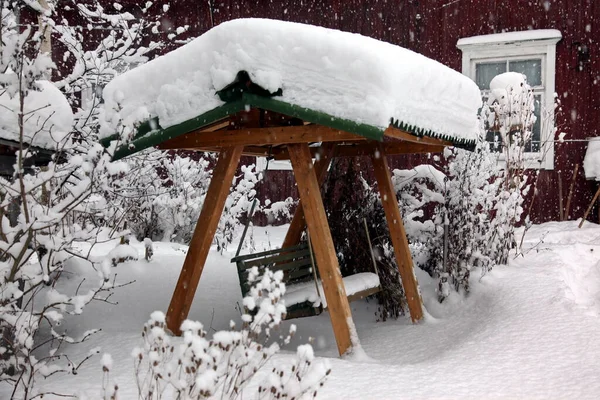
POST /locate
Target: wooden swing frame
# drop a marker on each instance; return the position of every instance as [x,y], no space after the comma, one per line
[240,127]
[310,212]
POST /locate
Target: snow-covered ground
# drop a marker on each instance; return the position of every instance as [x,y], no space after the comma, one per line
[527,330]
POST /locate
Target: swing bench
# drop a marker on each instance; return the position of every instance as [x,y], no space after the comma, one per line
[303,288]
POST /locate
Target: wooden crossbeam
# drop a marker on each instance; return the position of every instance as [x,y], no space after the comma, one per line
[396,133]
[397,234]
[390,148]
[294,233]
[353,149]
[203,236]
[259,137]
[367,149]
[316,220]
[224,123]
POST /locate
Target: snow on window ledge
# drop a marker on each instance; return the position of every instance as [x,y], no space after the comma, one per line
[509,38]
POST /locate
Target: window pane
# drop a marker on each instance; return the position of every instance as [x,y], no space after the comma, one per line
[485,72]
[495,141]
[532,69]
[535,145]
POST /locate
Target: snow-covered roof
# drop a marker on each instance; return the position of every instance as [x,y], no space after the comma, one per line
[343,75]
[48,116]
[591,161]
[511,37]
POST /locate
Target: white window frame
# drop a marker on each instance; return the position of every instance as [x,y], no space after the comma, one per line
[514,46]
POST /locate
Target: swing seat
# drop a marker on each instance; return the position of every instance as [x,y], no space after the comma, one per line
[301,297]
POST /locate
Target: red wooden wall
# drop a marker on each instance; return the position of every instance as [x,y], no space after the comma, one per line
[432,27]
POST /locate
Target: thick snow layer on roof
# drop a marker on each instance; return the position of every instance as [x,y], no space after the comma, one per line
[48,116]
[342,74]
[591,161]
[511,37]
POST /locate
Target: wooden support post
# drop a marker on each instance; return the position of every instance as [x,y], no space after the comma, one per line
[206,227]
[327,262]
[297,225]
[570,195]
[585,215]
[397,233]
[561,209]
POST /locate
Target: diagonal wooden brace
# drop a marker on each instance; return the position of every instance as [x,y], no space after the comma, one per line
[397,232]
[327,262]
[206,227]
[297,225]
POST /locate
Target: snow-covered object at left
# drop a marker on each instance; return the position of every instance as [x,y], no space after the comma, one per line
[345,75]
[591,161]
[48,117]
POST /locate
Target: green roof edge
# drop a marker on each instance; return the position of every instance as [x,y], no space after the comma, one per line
[145,138]
[420,132]
[150,133]
[316,117]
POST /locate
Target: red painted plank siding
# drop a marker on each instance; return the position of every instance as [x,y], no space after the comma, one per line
[432,27]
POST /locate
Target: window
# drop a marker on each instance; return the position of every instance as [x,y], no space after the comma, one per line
[532,53]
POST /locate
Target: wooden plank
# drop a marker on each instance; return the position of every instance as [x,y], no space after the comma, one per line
[350,149]
[390,148]
[399,134]
[224,123]
[327,263]
[587,211]
[302,246]
[294,233]
[253,151]
[266,151]
[258,137]
[193,265]
[280,261]
[570,195]
[364,293]
[358,149]
[561,209]
[397,234]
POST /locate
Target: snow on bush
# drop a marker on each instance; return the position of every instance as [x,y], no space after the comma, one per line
[47,212]
[122,253]
[223,365]
[459,214]
[161,195]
